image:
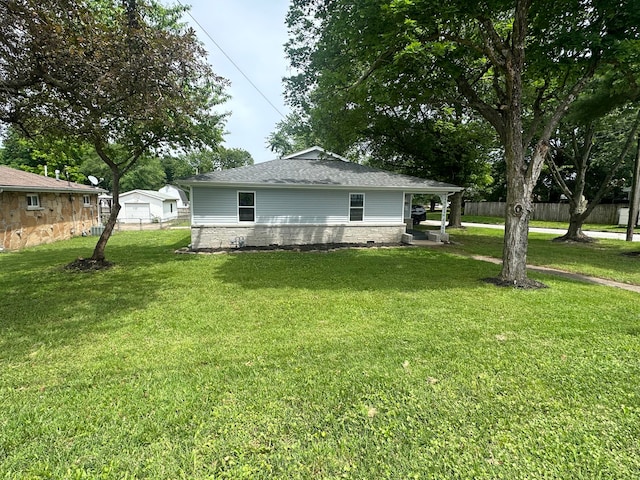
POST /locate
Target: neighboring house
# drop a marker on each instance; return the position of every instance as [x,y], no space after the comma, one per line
[147,206]
[177,193]
[309,197]
[35,209]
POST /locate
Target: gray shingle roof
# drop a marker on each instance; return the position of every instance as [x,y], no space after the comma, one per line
[20,181]
[325,170]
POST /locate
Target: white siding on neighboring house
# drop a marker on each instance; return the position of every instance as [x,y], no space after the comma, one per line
[146,206]
[137,211]
[177,194]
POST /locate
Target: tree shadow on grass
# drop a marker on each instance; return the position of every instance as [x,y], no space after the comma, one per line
[403,269]
[602,254]
[43,302]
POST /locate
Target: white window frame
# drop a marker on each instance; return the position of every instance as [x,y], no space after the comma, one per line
[86,200]
[31,205]
[351,207]
[253,207]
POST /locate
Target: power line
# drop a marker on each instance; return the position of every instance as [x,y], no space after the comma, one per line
[232,62]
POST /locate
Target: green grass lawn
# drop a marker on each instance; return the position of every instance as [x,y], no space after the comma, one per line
[375,363]
[597,227]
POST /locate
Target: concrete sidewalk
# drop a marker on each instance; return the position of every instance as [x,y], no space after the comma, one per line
[552,231]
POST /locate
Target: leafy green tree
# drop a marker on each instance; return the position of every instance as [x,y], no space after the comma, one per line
[204,160]
[293,134]
[587,160]
[42,154]
[127,78]
[225,158]
[517,64]
[449,151]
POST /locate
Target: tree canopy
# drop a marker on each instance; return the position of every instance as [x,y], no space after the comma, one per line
[517,64]
[127,78]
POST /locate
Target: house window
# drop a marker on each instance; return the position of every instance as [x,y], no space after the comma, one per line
[356,207]
[33,201]
[86,200]
[247,206]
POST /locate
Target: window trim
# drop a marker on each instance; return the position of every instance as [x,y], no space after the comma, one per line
[352,208]
[86,200]
[253,207]
[30,197]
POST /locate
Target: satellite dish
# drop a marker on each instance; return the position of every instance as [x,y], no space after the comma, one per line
[94,181]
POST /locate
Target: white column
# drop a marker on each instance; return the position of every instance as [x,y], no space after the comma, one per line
[443,220]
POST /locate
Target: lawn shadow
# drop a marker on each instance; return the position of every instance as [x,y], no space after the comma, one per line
[402,269]
[602,254]
[43,302]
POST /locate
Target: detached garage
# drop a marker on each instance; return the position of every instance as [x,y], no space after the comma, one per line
[147,206]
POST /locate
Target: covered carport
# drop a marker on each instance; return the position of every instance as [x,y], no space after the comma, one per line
[443,193]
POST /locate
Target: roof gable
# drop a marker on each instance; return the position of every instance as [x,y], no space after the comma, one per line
[175,192]
[149,193]
[314,153]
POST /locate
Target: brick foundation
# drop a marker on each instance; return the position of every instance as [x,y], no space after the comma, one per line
[264,235]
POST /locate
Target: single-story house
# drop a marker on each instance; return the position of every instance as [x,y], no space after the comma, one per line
[309,197]
[35,209]
[177,193]
[147,206]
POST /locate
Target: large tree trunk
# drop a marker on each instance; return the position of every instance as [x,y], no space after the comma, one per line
[516,231]
[455,213]
[520,184]
[577,215]
[634,203]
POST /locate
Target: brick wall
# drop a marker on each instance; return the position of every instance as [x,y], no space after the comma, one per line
[57,218]
[263,235]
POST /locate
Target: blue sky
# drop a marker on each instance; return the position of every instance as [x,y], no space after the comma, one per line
[252,33]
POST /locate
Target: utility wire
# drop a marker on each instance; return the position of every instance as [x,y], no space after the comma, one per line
[231,60]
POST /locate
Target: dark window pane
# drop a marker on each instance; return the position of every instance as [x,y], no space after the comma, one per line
[246,199]
[356,214]
[247,214]
[357,200]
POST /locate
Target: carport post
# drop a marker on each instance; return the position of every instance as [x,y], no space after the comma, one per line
[443,221]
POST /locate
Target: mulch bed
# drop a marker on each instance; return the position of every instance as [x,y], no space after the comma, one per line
[632,254]
[88,265]
[317,247]
[528,284]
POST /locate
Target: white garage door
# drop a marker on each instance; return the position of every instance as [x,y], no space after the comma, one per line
[137,211]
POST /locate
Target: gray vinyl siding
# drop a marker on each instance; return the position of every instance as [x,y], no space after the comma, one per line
[215,205]
[383,207]
[300,206]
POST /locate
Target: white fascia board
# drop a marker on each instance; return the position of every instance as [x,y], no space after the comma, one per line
[413,190]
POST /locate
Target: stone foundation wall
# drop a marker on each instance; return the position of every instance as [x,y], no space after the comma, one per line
[264,235]
[58,218]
